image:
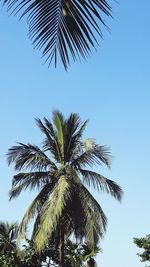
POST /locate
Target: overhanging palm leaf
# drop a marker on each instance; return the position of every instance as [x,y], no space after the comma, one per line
[69,28]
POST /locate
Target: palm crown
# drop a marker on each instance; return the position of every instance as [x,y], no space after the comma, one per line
[68,28]
[59,170]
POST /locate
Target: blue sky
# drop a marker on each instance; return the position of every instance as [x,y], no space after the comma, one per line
[112,89]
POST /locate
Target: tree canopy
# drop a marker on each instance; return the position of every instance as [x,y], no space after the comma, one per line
[60,170]
[143,243]
[76,255]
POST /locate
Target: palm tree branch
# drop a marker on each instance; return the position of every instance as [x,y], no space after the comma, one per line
[28,156]
[62,26]
[101,183]
[73,132]
[97,155]
[31,180]
[90,204]
[52,211]
[33,210]
[58,121]
[50,143]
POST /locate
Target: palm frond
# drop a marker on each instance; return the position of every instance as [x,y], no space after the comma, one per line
[73,136]
[69,28]
[52,211]
[102,154]
[97,155]
[33,210]
[93,229]
[28,156]
[75,217]
[31,180]
[101,183]
[58,121]
[50,143]
[94,215]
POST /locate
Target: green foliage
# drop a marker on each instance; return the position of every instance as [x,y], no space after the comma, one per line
[76,255]
[143,243]
[26,258]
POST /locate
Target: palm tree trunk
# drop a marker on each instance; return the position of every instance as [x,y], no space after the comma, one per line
[61,248]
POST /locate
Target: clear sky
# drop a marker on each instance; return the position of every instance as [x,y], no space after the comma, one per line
[112,89]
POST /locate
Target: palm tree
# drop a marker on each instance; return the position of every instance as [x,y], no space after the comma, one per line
[8,236]
[68,28]
[64,206]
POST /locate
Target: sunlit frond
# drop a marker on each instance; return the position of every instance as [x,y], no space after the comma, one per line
[52,211]
[59,124]
[33,210]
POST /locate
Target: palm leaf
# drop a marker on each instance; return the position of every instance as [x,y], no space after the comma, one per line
[93,229]
[58,121]
[50,143]
[31,180]
[93,156]
[69,28]
[33,210]
[73,131]
[96,220]
[100,182]
[28,156]
[52,211]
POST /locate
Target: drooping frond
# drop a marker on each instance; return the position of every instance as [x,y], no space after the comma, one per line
[93,231]
[68,28]
[52,211]
[75,215]
[34,209]
[32,180]
[102,154]
[28,156]
[94,215]
[101,183]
